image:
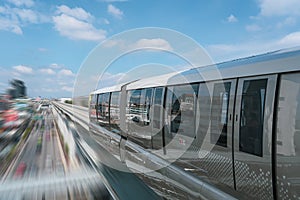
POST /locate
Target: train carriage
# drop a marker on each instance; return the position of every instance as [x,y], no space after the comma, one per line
[227,130]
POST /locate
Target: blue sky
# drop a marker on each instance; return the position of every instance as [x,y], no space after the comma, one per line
[45,42]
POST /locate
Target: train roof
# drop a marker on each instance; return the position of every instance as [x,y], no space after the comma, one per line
[285,60]
[114,88]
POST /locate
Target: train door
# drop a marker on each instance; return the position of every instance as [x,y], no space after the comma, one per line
[288,137]
[215,109]
[253,136]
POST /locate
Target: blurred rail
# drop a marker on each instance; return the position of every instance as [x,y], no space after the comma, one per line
[37,172]
[120,184]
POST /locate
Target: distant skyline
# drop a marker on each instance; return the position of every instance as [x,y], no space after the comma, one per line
[44,43]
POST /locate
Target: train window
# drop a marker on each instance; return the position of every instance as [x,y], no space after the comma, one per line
[204,102]
[157,108]
[138,116]
[181,110]
[134,107]
[288,137]
[115,111]
[139,106]
[157,118]
[252,116]
[92,108]
[146,101]
[103,109]
[219,113]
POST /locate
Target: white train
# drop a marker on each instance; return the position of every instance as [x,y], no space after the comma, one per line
[227,129]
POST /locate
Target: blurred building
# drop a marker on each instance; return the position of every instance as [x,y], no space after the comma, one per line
[65,100]
[81,101]
[4,102]
[17,89]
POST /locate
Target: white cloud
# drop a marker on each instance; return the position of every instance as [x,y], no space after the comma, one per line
[114,11]
[45,82]
[253,28]
[50,80]
[104,21]
[16,29]
[14,19]
[47,71]
[41,49]
[68,89]
[113,43]
[2,9]
[16,74]
[62,83]
[55,66]
[274,15]
[147,44]
[279,7]
[290,39]
[27,3]
[222,52]
[66,72]
[27,15]
[10,25]
[76,26]
[289,21]
[232,19]
[77,13]
[156,43]
[23,69]
[107,79]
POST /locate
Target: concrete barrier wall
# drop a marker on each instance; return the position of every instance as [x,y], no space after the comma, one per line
[66,132]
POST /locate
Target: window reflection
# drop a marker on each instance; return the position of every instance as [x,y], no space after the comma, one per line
[157,118]
[139,106]
[252,116]
[115,110]
[288,137]
[103,108]
[92,108]
[219,113]
[134,111]
[138,116]
[181,110]
[157,108]
[145,104]
[204,111]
